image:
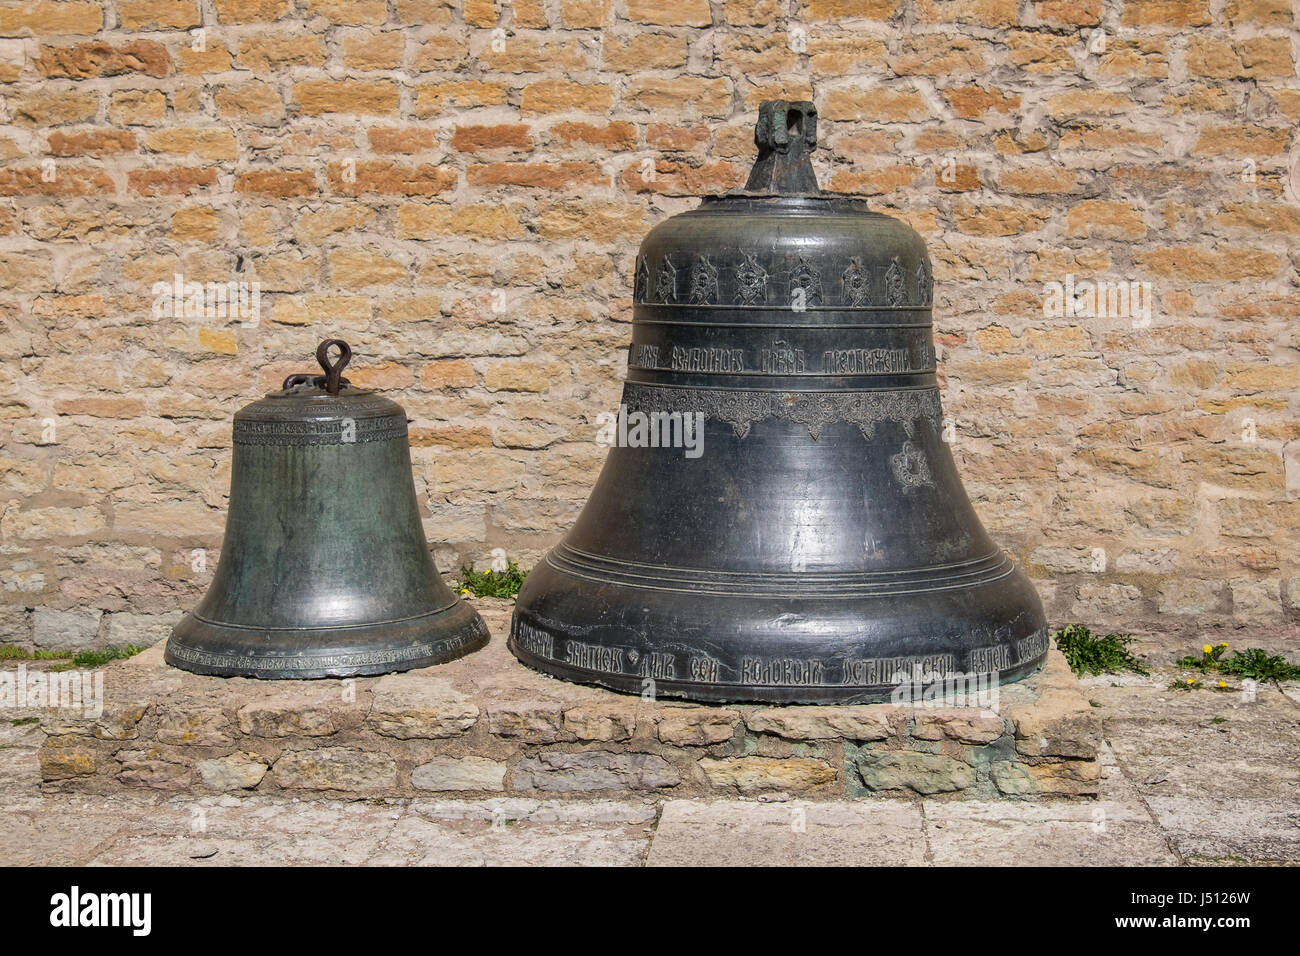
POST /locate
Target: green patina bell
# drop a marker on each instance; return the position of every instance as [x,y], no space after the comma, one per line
[324,569]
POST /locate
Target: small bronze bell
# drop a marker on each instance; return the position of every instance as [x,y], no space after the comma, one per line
[817,547]
[324,569]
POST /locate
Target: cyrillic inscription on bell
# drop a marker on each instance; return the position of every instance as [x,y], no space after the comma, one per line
[324,569]
[815,544]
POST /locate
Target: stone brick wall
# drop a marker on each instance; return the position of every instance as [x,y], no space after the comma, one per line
[459,188]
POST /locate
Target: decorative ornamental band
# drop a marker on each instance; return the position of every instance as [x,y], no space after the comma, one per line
[741,408]
[804,282]
[329,431]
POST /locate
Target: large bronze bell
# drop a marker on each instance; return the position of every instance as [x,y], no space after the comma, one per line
[818,546]
[324,570]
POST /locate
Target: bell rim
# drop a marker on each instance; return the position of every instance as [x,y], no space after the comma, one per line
[426,640]
[738,694]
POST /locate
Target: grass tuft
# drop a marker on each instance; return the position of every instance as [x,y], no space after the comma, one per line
[12,652]
[1254,663]
[489,583]
[1097,655]
[89,660]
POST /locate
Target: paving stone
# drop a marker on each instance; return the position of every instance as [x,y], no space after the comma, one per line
[416,841]
[62,838]
[797,833]
[555,810]
[1016,833]
[1236,830]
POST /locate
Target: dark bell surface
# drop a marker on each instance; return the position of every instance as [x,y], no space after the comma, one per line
[821,544]
[324,568]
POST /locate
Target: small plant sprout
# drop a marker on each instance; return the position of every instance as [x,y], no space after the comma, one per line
[1097,655]
[489,583]
[1253,664]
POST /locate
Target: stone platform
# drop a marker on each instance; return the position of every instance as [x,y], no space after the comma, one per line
[488,726]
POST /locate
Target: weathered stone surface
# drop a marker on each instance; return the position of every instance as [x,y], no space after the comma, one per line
[1230,830]
[870,722]
[61,760]
[1057,724]
[237,771]
[1054,833]
[531,721]
[152,768]
[120,723]
[1075,778]
[921,772]
[56,630]
[746,833]
[200,728]
[756,774]
[397,734]
[964,726]
[410,706]
[606,721]
[300,716]
[141,630]
[594,770]
[460,773]
[335,768]
[1012,778]
[696,727]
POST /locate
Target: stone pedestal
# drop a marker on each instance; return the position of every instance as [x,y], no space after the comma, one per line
[487,725]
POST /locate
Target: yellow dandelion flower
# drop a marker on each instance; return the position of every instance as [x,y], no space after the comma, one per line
[1223,643]
[1208,649]
[488,571]
[1191,680]
[464,590]
[1223,683]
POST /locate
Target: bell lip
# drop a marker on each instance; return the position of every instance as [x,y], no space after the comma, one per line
[739,694]
[439,637]
[908,630]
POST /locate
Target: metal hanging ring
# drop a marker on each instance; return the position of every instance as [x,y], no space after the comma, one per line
[333,371]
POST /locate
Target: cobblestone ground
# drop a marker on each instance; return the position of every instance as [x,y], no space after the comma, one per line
[1180,788]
